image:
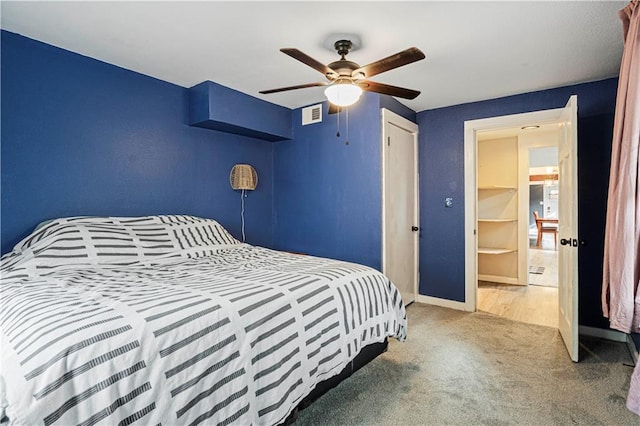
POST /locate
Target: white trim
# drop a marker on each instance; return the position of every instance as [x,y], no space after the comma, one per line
[470,215]
[388,116]
[445,303]
[471,129]
[603,333]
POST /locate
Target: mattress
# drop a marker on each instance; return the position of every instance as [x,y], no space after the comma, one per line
[171,320]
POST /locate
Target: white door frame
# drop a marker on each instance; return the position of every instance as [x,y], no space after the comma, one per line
[471,129]
[388,116]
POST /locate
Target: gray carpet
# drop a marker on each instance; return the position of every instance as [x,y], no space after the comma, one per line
[472,368]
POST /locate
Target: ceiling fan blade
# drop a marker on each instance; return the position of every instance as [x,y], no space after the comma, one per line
[308,60]
[299,86]
[405,57]
[387,89]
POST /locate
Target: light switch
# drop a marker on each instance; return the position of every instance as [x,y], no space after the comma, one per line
[448,202]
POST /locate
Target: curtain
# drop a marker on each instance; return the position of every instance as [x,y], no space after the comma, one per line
[620,295]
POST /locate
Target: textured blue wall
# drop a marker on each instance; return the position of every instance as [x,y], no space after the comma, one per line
[392,104]
[594,161]
[328,197]
[82,137]
[214,106]
[442,173]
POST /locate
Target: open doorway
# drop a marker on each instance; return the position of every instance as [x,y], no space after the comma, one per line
[517,182]
[543,216]
[565,121]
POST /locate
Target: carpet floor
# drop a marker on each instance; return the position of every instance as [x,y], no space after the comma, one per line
[459,368]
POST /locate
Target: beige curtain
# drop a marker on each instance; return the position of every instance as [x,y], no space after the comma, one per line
[620,295]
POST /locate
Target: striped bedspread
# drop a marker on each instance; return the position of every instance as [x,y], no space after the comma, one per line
[170,320]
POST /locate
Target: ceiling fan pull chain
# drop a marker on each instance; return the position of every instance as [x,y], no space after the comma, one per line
[338,132]
[346,142]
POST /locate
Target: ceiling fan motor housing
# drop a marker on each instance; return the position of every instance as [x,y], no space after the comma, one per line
[344,68]
[343,47]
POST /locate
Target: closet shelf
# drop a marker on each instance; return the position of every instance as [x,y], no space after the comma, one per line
[497,220]
[492,250]
[512,188]
[498,279]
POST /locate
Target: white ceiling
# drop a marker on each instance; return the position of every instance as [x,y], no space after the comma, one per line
[475,50]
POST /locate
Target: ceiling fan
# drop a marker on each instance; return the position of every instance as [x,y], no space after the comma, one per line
[347,79]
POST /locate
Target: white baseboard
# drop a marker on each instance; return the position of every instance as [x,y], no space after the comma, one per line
[445,303]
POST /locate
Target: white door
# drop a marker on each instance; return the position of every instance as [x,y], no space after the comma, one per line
[568,228]
[400,203]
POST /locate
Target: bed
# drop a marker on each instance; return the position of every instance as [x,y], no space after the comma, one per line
[171,320]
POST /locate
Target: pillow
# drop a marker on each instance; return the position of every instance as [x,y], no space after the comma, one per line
[98,240]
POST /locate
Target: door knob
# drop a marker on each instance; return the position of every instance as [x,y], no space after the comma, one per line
[415,228]
[565,242]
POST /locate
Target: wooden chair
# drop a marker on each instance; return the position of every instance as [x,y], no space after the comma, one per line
[544,226]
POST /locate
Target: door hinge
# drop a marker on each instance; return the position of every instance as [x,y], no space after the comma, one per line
[388,140]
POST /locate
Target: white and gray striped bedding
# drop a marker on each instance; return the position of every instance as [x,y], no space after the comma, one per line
[170,320]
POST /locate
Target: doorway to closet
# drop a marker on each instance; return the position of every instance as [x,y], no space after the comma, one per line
[517,181]
[490,198]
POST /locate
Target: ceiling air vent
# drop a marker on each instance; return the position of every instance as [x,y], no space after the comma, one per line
[312,114]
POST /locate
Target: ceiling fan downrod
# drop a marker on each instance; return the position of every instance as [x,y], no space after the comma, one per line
[343,47]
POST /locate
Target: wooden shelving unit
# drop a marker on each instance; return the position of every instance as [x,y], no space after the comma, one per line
[498,210]
[513,188]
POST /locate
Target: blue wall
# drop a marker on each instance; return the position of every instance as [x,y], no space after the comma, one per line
[82,137]
[214,106]
[442,175]
[392,104]
[594,160]
[328,198]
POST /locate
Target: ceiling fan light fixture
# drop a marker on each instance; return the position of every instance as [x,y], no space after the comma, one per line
[343,94]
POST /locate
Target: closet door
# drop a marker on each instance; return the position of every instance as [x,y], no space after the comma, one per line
[400,204]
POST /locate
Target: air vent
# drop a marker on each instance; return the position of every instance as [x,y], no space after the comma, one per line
[312,114]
